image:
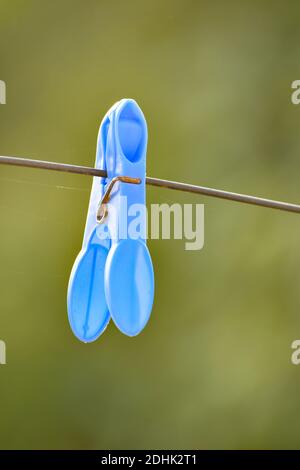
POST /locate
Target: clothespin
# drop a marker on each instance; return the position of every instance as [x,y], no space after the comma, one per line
[112,276]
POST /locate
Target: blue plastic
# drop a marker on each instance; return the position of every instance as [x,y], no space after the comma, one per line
[129,279]
[87,308]
[114,277]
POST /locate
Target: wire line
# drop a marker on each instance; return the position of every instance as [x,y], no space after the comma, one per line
[190,188]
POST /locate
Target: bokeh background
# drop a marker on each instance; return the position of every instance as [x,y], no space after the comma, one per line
[212,369]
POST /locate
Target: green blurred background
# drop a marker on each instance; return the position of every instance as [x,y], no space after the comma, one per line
[212,369]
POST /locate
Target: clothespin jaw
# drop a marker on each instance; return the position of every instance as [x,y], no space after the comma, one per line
[113,274]
[129,277]
[87,308]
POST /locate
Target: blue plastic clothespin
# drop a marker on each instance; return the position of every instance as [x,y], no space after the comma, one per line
[113,273]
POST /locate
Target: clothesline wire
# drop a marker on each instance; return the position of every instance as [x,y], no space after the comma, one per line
[190,188]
